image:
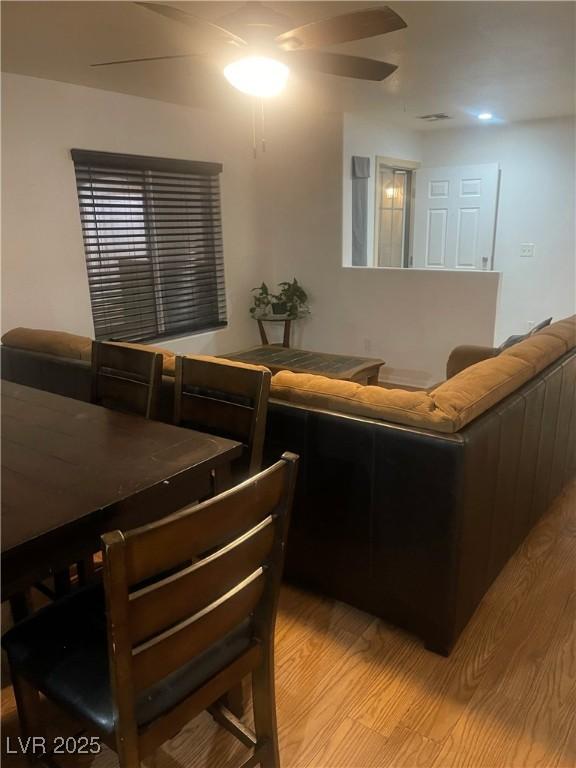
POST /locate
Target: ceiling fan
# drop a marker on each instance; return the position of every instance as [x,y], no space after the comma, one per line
[264,45]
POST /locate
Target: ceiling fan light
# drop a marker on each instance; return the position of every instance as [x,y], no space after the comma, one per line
[257,76]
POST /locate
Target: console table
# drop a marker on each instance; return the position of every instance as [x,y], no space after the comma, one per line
[364,370]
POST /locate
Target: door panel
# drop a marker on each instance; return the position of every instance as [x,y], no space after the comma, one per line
[467,237]
[436,237]
[455,217]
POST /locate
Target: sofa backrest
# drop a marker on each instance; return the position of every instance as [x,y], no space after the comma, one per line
[73,346]
[448,407]
[57,343]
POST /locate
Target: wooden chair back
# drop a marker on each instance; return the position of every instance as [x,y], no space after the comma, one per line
[230,400]
[224,558]
[126,379]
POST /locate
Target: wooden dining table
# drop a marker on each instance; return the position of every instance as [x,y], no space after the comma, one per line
[72,471]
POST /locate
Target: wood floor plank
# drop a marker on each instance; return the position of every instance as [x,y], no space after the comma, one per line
[408,749]
[353,692]
[304,730]
[303,613]
[352,744]
[384,701]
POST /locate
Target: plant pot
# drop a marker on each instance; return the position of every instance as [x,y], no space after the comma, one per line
[279,309]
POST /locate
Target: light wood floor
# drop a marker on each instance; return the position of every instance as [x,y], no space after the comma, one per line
[353,692]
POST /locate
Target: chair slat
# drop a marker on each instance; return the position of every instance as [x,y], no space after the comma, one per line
[120,392]
[162,605]
[157,658]
[189,533]
[210,375]
[222,417]
[116,356]
[125,378]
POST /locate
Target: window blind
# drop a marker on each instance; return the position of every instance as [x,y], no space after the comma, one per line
[153,243]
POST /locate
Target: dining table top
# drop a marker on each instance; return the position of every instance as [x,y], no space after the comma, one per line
[65,461]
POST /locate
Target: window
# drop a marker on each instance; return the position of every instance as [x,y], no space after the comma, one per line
[393,208]
[153,244]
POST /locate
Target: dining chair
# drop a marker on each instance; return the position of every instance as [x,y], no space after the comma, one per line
[165,648]
[123,379]
[126,379]
[227,399]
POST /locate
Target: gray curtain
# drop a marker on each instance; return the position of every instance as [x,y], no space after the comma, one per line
[360,176]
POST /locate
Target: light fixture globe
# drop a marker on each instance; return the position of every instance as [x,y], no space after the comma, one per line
[257,76]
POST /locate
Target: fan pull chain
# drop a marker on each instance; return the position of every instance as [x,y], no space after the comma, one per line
[254,144]
[255,126]
[262,126]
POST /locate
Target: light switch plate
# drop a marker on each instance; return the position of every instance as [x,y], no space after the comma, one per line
[527,250]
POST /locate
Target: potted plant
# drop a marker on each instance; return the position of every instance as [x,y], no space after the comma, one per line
[262,301]
[279,307]
[292,300]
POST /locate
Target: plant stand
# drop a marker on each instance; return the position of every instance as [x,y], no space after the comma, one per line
[287,320]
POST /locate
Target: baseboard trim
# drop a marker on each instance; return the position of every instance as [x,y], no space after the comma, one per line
[406,378]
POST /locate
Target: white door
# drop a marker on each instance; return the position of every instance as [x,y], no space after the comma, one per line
[455,217]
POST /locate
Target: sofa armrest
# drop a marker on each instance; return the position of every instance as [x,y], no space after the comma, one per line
[466,355]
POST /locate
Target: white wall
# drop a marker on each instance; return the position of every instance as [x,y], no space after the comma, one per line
[44,275]
[410,318]
[286,215]
[537,205]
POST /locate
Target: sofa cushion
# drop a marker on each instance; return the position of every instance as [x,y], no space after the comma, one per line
[565,330]
[452,404]
[475,389]
[400,406]
[537,351]
[58,343]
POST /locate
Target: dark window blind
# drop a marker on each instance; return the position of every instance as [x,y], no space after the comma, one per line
[153,243]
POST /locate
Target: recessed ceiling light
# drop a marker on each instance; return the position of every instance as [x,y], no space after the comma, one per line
[485,116]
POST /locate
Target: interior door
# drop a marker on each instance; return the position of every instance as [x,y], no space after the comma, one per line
[455,217]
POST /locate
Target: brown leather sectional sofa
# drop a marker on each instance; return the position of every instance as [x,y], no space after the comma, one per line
[408,504]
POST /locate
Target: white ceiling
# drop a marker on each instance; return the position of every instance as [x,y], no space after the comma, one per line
[514,59]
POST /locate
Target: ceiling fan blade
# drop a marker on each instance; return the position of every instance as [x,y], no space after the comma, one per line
[148,58]
[341,65]
[212,32]
[342,29]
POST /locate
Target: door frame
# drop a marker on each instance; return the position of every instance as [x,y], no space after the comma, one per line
[400,165]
